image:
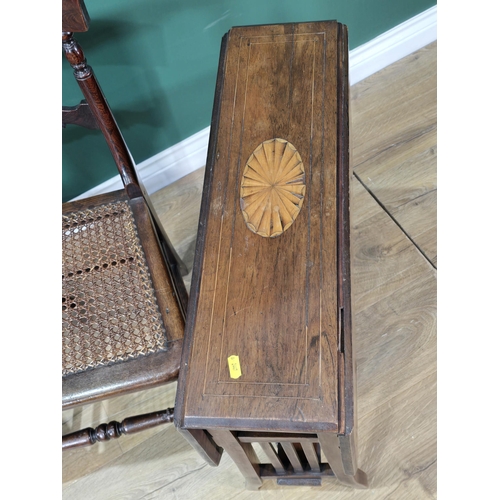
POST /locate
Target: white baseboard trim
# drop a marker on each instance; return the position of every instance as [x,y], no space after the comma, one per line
[165,167]
[393,45]
[191,154]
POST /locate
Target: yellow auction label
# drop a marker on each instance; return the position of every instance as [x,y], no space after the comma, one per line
[234,366]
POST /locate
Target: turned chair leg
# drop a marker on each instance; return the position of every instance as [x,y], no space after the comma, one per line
[113,430]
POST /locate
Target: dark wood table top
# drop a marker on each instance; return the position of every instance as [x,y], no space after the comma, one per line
[267,279]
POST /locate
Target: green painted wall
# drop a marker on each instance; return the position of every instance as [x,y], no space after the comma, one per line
[156,61]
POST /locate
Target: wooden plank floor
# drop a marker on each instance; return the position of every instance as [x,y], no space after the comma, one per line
[394,304]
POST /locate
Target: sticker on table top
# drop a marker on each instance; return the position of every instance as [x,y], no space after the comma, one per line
[234,366]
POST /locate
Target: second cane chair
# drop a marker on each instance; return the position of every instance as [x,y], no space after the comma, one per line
[124,299]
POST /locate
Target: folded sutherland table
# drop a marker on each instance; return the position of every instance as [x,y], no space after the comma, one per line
[268,359]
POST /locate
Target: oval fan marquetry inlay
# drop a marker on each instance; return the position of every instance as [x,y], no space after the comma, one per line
[272,188]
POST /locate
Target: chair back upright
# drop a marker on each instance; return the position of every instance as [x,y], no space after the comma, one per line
[75,18]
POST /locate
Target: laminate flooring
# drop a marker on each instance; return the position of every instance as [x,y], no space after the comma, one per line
[394,270]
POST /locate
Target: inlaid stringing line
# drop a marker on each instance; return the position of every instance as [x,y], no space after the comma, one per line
[232,124]
[313,81]
[224,204]
[236,196]
[321,212]
[225,317]
[213,306]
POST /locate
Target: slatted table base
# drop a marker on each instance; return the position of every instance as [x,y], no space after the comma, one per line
[295,459]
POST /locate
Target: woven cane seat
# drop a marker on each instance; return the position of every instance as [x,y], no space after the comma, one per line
[109,309]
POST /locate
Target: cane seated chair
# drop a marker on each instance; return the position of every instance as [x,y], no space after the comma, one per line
[124,298]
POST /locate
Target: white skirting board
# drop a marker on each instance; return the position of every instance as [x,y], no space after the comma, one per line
[190,154]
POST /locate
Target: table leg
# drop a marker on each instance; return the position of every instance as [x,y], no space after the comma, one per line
[340,451]
[242,454]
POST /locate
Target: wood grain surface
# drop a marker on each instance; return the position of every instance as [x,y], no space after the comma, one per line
[394,306]
[267,292]
[399,166]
